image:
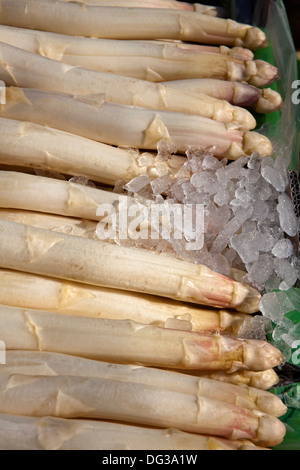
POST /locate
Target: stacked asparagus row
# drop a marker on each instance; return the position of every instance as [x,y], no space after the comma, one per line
[108,347]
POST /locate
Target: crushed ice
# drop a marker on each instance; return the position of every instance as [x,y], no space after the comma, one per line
[250,222]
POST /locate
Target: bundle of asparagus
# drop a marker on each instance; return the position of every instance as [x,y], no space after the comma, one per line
[93,87]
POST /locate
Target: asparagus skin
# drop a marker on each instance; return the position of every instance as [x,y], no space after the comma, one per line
[128,23]
[239,94]
[64,434]
[51,364]
[128,342]
[115,124]
[94,262]
[30,145]
[24,290]
[29,70]
[53,196]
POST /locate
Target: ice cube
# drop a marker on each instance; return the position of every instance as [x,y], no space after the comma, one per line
[286,272]
[274,178]
[283,328]
[222,198]
[205,182]
[231,228]
[247,246]
[161,185]
[254,328]
[275,305]
[165,149]
[210,162]
[138,183]
[260,211]
[254,162]
[283,249]
[261,190]
[288,219]
[261,271]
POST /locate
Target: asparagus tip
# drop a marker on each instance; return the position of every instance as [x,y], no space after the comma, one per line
[261,355]
[271,404]
[265,75]
[251,303]
[269,102]
[271,431]
[255,142]
[255,39]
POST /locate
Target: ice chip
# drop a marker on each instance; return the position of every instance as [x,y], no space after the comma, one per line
[283,249]
[254,162]
[286,272]
[274,178]
[161,185]
[261,271]
[222,198]
[254,328]
[138,183]
[205,182]
[288,219]
[260,211]
[283,328]
[275,305]
[211,163]
[247,246]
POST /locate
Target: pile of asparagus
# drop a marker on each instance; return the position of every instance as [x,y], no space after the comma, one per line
[109,347]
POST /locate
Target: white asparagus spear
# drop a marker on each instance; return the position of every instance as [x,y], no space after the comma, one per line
[115,124]
[154,61]
[128,23]
[51,364]
[128,342]
[59,46]
[30,145]
[53,196]
[70,434]
[25,69]
[239,94]
[81,397]
[94,262]
[205,65]
[73,226]
[26,290]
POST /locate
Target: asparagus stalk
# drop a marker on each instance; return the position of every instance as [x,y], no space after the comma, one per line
[128,23]
[238,94]
[53,196]
[24,144]
[155,61]
[128,342]
[115,124]
[70,434]
[50,364]
[81,397]
[97,263]
[59,46]
[73,226]
[29,70]
[26,290]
